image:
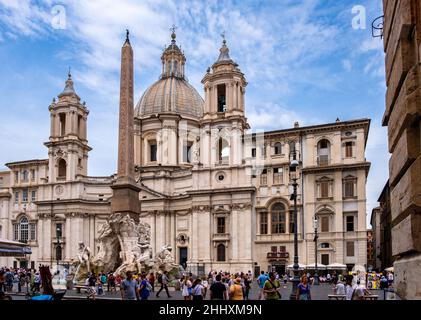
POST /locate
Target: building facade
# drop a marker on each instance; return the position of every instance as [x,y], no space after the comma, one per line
[402,40]
[216,193]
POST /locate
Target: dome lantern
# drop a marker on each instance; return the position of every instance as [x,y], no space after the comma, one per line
[173,59]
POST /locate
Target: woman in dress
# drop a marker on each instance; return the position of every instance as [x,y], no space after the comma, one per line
[303,289]
[187,288]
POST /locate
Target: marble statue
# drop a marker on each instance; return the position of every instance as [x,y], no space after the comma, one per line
[84,255]
[164,259]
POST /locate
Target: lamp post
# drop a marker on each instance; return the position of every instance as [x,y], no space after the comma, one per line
[294,177]
[58,248]
[316,237]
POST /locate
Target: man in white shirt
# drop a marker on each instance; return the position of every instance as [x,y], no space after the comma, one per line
[339,288]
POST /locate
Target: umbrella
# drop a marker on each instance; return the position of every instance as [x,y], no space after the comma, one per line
[390,269]
[300,266]
[358,268]
[313,266]
[336,266]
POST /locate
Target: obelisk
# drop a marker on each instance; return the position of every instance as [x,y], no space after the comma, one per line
[125,191]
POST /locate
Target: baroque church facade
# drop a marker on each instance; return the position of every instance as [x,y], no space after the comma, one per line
[218,195]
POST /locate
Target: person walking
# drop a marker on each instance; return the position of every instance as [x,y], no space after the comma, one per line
[163,279]
[247,286]
[198,290]
[303,289]
[205,285]
[111,282]
[349,289]
[151,280]
[261,282]
[37,282]
[236,290]
[218,289]
[145,287]
[186,288]
[129,288]
[271,288]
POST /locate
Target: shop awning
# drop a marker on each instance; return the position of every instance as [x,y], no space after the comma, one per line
[336,266]
[13,249]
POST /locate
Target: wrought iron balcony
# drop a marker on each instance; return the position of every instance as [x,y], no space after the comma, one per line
[277,255]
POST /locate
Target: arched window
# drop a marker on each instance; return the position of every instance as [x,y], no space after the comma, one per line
[278,216]
[223,151]
[62,169]
[25,175]
[278,148]
[220,252]
[23,229]
[323,152]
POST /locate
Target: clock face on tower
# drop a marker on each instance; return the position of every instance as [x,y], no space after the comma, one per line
[59,189]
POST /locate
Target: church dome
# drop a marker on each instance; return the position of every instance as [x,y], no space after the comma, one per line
[172,93]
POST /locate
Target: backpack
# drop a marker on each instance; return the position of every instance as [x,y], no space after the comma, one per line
[148,286]
[160,278]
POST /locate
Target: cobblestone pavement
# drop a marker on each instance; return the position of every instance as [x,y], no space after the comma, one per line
[320,292]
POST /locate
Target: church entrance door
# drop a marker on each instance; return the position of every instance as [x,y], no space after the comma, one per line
[183,257]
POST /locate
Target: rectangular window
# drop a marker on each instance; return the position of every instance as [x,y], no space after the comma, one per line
[153,150]
[16,176]
[25,176]
[32,227]
[323,160]
[264,178]
[16,197]
[33,196]
[348,149]
[349,188]
[25,195]
[291,221]
[273,248]
[16,232]
[277,176]
[325,224]
[62,117]
[350,249]
[278,222]
[253,152]
[221,225]
[264,223]
[325,259]
[221,98]
[32,174]
[278,148]
[263,151]
[187,152]
[59,230]
[324,189]
[349,223]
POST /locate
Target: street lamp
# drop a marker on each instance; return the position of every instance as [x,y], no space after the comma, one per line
[58,248]
[294,177]
[316,236]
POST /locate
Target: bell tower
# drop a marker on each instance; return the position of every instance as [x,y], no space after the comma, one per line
[68,145]
[224,87]
[224,117]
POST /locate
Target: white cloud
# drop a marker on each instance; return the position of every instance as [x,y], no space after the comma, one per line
[347,64]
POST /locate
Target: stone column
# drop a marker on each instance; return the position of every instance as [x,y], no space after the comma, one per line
[68,235]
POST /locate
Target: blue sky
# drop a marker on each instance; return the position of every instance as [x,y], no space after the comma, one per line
[303,60]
